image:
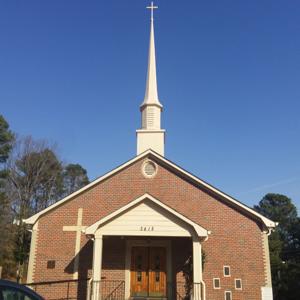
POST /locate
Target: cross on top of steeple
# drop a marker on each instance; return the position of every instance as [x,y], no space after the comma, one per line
[152,7]
[151,95]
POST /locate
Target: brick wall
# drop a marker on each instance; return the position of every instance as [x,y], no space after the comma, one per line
[236,239]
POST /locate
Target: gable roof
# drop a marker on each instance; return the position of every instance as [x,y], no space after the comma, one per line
[267,222]
[201,232]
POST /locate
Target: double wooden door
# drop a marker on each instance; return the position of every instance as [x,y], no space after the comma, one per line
[148,272]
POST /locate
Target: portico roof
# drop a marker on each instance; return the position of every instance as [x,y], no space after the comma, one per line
[163,208]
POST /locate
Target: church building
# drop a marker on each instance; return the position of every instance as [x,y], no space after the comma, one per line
[149,229]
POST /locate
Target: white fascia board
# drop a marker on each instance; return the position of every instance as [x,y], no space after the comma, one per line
[267,222]
[201,232]
[35,217]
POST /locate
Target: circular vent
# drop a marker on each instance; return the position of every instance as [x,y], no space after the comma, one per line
[149,168]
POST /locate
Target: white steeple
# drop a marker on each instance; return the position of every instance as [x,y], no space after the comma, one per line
[151,95]
[151,136]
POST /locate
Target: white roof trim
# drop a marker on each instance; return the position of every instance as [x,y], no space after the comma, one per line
[35,217]
[91,230]
[267,222]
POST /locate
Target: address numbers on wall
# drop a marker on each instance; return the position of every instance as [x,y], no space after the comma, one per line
[147,228]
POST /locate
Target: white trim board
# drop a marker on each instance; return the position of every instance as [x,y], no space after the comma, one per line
[161,209]
[266,293]
[32,253]
[267,222]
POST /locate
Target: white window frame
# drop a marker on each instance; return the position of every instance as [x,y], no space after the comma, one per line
[217,288]
[235,280]
[224,271]
[230,295]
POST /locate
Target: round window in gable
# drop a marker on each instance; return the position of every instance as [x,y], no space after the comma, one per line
[149,168]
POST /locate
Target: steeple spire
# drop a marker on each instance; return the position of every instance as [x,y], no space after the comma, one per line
[151,136]
[151,94]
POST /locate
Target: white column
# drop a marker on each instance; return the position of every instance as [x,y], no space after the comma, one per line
[97,266]
[197,268]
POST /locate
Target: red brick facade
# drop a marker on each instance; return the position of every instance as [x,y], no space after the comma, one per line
[236,239]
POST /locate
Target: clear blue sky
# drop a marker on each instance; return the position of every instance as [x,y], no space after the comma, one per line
[74,72]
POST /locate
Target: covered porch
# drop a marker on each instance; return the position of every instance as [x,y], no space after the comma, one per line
[149,251]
